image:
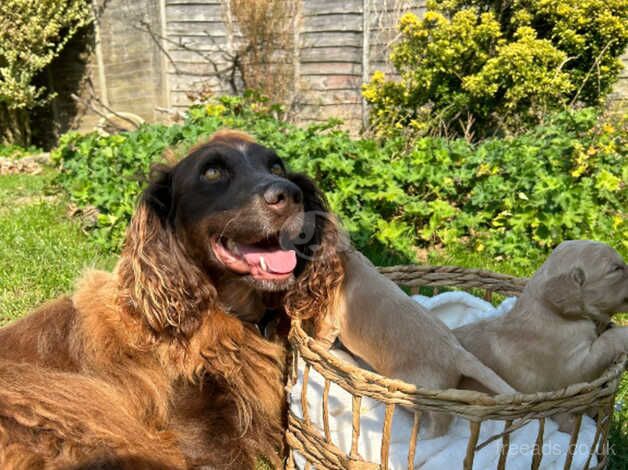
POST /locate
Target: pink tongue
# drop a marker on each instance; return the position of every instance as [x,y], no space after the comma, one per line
[277,261]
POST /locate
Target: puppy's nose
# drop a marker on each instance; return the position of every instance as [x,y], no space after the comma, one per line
[282,196]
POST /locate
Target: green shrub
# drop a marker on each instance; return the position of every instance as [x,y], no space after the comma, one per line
[478,68]
[511,199]
[32,34]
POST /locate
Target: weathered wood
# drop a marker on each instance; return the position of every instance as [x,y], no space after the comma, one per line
[317,7]
[334,82]
[330,39]
[179,82]
[331,54]
[315,111]
[193,12]
[184,56]
[333,68]
[331,97]
[186,27]
[197,3]
[343,22]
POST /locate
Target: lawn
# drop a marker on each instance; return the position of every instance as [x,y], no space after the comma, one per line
[42,252]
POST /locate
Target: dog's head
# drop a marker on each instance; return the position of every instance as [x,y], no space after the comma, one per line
[229,208]
[583,278]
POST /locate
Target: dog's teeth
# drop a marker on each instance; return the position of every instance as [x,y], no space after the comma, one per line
[262,264]
[232,246]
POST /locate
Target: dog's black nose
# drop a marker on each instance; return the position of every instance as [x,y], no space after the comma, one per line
[281,196]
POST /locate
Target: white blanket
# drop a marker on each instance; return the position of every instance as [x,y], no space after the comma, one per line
[446,452]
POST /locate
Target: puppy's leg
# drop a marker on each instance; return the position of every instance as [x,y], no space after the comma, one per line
[470,366]
[437,424]
[433,424]
[603,351]
[327,329]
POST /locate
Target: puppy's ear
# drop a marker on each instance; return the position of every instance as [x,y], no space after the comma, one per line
[322,275]
[158,282]
[564,292]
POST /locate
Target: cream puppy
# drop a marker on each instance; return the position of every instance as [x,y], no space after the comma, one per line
[558,332]
[375,320]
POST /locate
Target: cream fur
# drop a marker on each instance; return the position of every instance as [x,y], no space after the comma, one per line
[377,321]
[557,333]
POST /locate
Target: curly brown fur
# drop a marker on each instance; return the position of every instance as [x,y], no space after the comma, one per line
[160,364]
[316,287]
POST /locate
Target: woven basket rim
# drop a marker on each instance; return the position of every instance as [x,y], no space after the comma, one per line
[400,392]
[301,339]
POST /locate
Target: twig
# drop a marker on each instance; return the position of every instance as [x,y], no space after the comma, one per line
[593,66]
[157,38]
[94,98]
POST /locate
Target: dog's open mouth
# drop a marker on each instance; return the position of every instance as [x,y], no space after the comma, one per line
[263,261]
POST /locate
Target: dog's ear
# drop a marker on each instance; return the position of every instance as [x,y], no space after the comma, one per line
[323,272]
[158,194]
[564,292]
[158,281]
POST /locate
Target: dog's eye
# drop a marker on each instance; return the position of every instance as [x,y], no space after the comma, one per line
[277,169]
[616,268]
[213,174]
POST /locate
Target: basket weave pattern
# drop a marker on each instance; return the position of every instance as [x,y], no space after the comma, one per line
[514,410]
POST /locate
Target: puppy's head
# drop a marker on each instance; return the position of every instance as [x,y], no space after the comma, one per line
[228,209]
[583,278]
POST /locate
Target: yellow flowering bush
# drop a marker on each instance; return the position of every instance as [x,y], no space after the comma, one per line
[479,68]
[32,34]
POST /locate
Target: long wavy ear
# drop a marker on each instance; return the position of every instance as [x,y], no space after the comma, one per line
[322,272]
[158,282]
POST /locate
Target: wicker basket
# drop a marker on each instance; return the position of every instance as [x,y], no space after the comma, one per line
[316,446]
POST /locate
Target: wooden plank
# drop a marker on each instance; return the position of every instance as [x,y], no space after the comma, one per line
[188,83]
[313,7]
[187,56]
[186,27]
[203,44]
[331,54]
[199,3]
[194,13]
[333,82]
[195,69]
[330,39]
[345,22]
[331,68]
[193,35]
[331,98]
[341,111]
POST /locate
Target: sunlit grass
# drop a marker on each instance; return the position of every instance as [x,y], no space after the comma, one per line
[42,251]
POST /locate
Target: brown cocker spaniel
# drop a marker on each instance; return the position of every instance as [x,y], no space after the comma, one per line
[161,363]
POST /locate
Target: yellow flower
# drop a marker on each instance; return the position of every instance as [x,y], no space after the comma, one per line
[608,128]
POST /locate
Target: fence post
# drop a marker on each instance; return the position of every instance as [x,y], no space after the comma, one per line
[366,32]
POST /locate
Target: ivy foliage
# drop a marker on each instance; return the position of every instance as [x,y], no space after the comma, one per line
[477,68]
[512,199]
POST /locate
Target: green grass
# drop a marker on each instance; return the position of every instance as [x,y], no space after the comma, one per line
[42,251]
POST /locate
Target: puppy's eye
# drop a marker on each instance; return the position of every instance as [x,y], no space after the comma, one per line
[616,268]
[277,169]
[213,174]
